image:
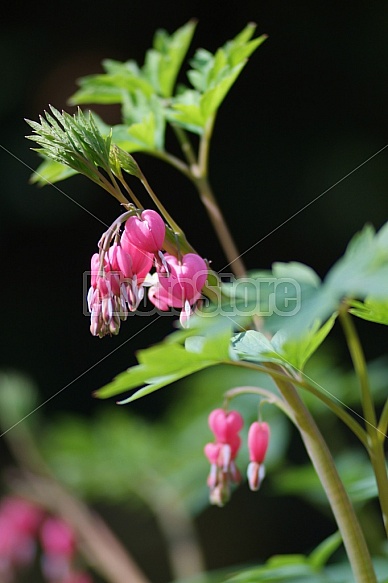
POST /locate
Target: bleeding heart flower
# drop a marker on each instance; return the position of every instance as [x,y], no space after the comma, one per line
[186,277]
[147,232]
[225,424]
[258,438]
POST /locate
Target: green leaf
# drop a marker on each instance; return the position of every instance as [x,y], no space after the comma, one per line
[283,348]
[212,76]
[296,351]
[110,88]
[279,569]
[50,172]
[372,310]
[214,96]
[319,556]
[255,347]
[303,274]
[164,60]
[121,160]
[361,273]
[168,362]
[72,140]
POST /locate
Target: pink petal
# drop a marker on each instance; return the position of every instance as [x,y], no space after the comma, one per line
[212,452]
[258,437]
[57,538]
[187,277]
[148,232]
[141,260]
[225,425]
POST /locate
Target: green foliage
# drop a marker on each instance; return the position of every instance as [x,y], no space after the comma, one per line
[51,171]
[74,144]
[168,362]
[361,273]
[212,76]
[73,141]
[148,98]
[372,310]
[301,569]
[282,348]
[158,75]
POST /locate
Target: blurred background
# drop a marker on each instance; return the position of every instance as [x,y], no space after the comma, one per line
[305,116]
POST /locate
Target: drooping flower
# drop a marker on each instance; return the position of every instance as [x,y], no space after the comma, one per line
[222,454]
[19,523]
[147,232]
[225,425]
[117,276]
[141,265]
[58,545]
[258,438]
[179,284]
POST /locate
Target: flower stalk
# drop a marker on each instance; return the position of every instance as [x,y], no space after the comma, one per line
[375,437]
[321,458]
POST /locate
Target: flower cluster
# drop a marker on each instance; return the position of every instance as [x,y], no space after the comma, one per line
[222,454]
[22,524]
[121,271]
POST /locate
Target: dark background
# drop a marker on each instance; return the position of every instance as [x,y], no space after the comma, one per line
[309,108]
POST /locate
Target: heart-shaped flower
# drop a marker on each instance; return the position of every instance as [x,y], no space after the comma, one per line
[147,232]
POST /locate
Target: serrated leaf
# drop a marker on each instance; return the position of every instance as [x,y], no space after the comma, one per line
[163,62]
[119,80]
[213,97]
[212,76]
[361,273]
[372,310]
[72,140]
[297,351]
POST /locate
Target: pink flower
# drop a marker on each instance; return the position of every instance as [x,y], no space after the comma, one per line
[258,438]
[221,455]
[180,283]
[19,522]
[24,515]
[58,545]
[162,299]
[186,278]
[225,425]
[57,538]
[147,232]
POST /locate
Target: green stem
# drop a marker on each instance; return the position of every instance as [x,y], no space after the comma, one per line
[186,146]
[204,147]
[217,219]
[359,363]
[268,395]
[197,172]
[341,506]
[341,413]
[173,161]
[383,423]
[160,206]
[376,444]
[131,194]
